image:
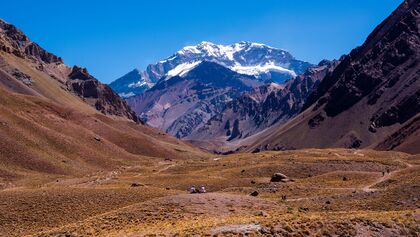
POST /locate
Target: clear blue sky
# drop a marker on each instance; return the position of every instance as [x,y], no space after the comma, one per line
[112,37]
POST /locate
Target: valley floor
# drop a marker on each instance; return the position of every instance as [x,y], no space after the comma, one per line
[333,192]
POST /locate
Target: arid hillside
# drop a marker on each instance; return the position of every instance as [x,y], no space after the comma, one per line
[57,120]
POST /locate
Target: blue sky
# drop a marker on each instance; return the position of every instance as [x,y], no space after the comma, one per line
[111,38]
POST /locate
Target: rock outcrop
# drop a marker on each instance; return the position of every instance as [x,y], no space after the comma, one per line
[14,41]
[76,79]
[98,95]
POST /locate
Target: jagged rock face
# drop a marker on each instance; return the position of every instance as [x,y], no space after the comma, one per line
[258,60]
[371,95]
[265,106]
[77,79]
[80,73]
[376,66]
[99,95]
[13,41]
[388,60]
[180,104]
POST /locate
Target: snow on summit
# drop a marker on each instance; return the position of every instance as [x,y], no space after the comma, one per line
[243,57]
[264,62]
[182,69]
[221,51]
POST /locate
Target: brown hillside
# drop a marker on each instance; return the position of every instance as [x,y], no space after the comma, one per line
[372,98]
[58,121]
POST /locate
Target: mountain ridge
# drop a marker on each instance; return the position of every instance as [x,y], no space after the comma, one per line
[371,95]
[75,79]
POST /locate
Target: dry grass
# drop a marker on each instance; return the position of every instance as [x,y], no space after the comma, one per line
[318,202]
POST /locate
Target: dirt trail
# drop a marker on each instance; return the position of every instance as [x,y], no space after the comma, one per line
[386,176]
[368,188]
[164,169]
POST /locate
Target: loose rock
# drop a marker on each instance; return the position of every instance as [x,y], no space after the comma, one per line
[254,194]
[279,177]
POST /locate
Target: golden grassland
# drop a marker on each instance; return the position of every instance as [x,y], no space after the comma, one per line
[150,198]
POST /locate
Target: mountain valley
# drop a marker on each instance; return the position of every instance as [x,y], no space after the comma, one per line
[215,140]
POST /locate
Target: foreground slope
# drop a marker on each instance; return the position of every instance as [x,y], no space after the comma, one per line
[372,99]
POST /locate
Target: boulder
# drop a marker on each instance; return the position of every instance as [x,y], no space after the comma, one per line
[254,194]
[134,185]
[279,177]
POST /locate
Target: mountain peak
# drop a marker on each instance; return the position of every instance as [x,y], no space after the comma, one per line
[244,57]
[221,50]
[261,61]
[207,43]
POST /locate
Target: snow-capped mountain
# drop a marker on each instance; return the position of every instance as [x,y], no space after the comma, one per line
[258,60]
[181,103]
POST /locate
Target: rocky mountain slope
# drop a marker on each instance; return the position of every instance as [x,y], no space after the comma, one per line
[261,108]
[258,60]
[58,121]
[180,104]
[75,79]
[372,99]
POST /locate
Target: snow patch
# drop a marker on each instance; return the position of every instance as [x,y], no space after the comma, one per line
[126,95]
[182,69]
[168,59]
[137,84]
[140,84]
[258,69]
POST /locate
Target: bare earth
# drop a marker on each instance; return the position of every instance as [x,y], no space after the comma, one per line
[334,192]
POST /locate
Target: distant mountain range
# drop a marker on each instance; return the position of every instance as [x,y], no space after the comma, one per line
[261,61]
[180,94]
[195,103]
[181,103]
